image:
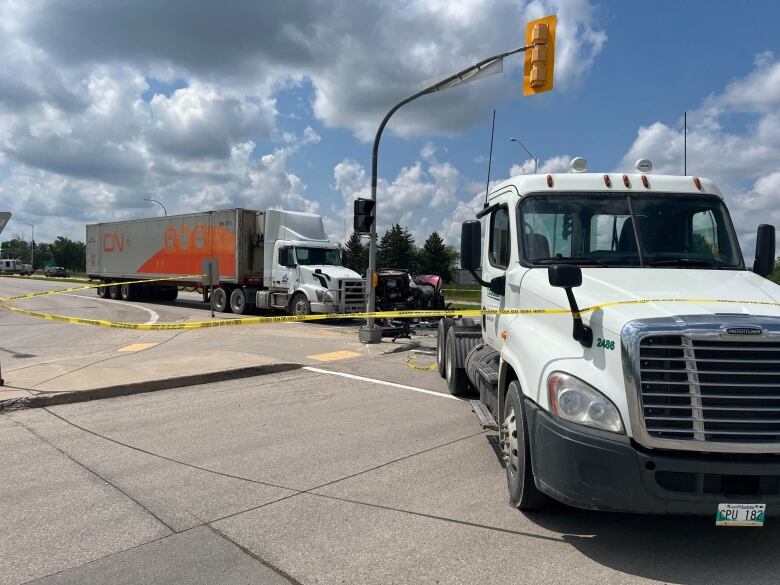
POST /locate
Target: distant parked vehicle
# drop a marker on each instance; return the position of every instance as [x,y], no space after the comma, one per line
[56,271]
[11,266]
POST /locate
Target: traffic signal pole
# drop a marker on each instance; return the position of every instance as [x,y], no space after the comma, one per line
[370,333]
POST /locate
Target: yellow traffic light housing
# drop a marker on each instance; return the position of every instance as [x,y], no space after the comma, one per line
[540,58]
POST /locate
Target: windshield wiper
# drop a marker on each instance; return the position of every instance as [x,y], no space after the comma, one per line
[686,262]
[569,259]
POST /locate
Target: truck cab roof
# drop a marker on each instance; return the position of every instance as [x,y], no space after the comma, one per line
[607,183]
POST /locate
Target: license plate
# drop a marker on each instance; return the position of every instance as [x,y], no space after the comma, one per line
[740,515]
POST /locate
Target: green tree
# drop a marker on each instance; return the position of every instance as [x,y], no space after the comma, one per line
[69,253]
[437,258]
[397,250]
[16,248]
[775,276]
[356,254]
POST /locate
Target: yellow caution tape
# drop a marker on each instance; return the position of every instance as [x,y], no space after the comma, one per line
[409,364]
[184,325]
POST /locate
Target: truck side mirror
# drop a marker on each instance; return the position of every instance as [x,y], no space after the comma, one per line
[764,263]
[471,252]
[568,276]
[471,245]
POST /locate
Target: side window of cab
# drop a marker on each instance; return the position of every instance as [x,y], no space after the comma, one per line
[499,241]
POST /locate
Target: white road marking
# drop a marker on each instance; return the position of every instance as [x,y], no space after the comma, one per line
[153,316]
[424,351]
[382,382]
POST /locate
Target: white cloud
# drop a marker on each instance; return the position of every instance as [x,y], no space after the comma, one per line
[743,160]
[555,164]
[82,139]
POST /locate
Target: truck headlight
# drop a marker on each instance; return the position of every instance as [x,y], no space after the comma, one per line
[573,400]
[329,298]
[320,294]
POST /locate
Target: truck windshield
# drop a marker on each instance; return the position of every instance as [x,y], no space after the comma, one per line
[663,230]
[318,256]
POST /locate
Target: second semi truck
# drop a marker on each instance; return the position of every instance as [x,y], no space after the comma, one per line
[265,259]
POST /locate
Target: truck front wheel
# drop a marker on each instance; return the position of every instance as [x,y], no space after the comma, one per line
[299,305]
[523,492]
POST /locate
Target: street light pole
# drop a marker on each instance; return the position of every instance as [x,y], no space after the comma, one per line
[370,333]
[165,211]
[32,244]
[536,160]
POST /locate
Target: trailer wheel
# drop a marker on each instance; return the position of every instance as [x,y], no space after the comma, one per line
[441,341]
[128,292]
[299,305]
[523,492]
[170,293]
[455,374]
[104,291]
[115,291]
[238,301]
[220,300]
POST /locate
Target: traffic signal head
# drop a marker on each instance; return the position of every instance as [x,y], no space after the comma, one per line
[364,215]
[540,57]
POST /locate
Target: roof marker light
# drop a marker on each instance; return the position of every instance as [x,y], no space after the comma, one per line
[549,181]
[697,182]
[645,182]
[607,181]
[626,182]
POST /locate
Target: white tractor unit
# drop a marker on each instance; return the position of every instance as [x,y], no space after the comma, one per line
[640,371]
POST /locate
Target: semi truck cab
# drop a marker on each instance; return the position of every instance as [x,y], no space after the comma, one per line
[638,365]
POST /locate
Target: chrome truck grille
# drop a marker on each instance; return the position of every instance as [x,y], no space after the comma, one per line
[707,388]
[354,296]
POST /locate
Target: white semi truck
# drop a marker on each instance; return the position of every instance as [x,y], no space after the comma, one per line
[266,259]
[663,395]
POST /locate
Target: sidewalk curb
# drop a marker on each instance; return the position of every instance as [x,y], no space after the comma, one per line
[142,387]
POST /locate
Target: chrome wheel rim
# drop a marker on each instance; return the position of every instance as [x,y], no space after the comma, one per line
[300,307]
[511,443]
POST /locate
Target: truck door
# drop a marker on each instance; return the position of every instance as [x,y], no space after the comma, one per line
[283,262]
[495,261]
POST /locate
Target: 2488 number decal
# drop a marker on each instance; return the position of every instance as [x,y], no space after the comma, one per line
[605,343]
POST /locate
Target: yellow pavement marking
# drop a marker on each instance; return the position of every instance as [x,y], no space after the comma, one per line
[137,347]
[334,356]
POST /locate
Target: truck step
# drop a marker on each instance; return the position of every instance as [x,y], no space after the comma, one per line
[485,418]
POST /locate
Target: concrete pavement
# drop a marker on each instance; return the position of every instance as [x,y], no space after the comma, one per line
[43,358]
[307,477]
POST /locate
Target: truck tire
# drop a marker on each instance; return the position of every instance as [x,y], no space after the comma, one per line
[441,341]
[170,293]
[238,301]
[455,373]
[220,299]
[299,305]
[104,291]
[115,291]
[128,292]
[523,492]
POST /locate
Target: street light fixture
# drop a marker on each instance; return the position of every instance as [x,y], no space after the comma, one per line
[32,244]
[536,160]
[165,211]
[370,333]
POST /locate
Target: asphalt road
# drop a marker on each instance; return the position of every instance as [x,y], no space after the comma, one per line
[312,477]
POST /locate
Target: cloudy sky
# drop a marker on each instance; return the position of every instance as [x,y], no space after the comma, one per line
[259,104]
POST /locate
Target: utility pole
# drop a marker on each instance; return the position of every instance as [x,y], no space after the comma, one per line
[32,244]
